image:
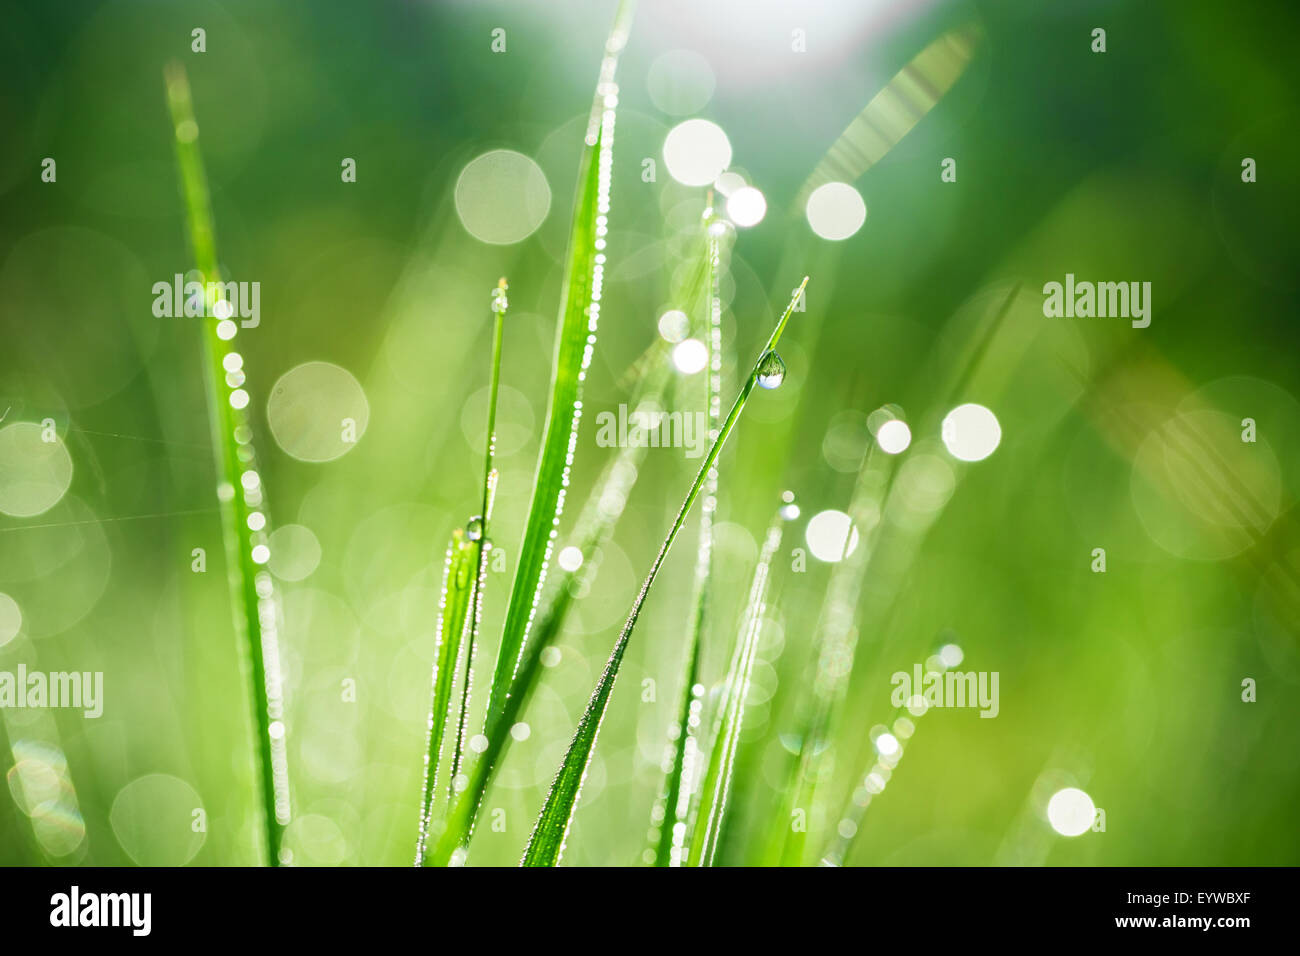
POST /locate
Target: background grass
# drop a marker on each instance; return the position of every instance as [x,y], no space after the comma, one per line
[1122,166]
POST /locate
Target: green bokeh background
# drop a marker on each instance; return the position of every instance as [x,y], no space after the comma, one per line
[1116,166]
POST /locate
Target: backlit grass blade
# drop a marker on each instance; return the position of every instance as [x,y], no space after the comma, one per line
[461,611]
[836,643]
[671,810]
[895,110]
[245,524]
[458,572]
[479,526]
[453,845]
[575,338]
[546,845]
[595,524]
[872,779]
[731,708]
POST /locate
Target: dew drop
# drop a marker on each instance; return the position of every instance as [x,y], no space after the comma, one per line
[474,530]
[499,301]
[771,370]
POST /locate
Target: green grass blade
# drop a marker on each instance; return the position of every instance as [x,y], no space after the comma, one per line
[499,306]
[574,343]
[546,845]
[457,570]
[595,524]
[855,809]
[836,644]
[239,490]
[731,708]
[461,612]
[671,810]
[452,847]
[884,761]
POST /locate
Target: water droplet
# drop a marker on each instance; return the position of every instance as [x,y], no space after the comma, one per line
[474,530]
[789,510]
[771,370]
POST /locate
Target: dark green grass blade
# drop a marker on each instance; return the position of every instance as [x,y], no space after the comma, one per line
[546,845]
[252,588]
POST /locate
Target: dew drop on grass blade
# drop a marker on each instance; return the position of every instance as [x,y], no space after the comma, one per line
[546,844]
[239,488]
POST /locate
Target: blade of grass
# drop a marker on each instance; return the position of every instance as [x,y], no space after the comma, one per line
[731,708]
[499,306]
[855,809]
[837,617]
[239,490]
[457,570]
[461,610]
[595,525]
[575,339]
[836,644]
[546,844]
[671,810]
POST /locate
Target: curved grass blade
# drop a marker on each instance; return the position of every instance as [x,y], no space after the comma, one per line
[575,339]
[731,708]
[239,486]
[546,844]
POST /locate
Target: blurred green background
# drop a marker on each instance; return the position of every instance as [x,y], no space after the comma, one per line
[1117,166]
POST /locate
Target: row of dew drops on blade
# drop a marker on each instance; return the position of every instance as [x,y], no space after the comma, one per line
[600,131]
[256,546]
